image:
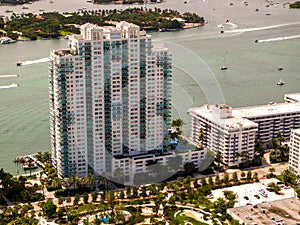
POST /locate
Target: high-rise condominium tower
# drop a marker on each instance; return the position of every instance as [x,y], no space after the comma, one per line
[110,96]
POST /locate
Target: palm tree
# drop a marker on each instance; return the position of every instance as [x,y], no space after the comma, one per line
[89,180]
[201,137]
[272,171]
[30,164]
[56,183]
[74,181]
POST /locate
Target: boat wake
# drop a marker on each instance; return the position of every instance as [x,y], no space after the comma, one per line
[233,25]
[280,38]
[36,61]
[9,86]
[9,76]
[260,28]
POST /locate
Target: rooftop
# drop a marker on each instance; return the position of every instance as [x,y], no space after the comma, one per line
[284,211]
[292,96]
[265,110]
[228,121]
[254,193]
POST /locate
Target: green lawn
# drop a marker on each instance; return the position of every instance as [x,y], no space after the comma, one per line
[183,219]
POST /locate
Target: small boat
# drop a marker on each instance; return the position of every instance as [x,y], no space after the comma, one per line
[51,1]
[280,82]
[256,41]
[42,10]
[25,7]
[19,63]
[8,11]
[256,10]
[280,68]
[7,41]
[223,68]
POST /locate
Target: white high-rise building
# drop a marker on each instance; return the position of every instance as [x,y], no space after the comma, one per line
[110,96]
[223,132]
[294,152]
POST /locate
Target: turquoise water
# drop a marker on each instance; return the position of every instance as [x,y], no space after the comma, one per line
[197,56]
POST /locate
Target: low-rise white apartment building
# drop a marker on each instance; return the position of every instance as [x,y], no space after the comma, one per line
[294,153]
[272,119]
[230,131]
[141,164]
[223,132]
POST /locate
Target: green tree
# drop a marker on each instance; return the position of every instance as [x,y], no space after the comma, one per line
[189,167]
[210,181]
[49,209]
[217,180]
[235,177]
[203,181]
[111,200]
[85,198]
[201,137]
[56,183]
[255,176]
[249,176]
[288,178]
[76,199]
[243,174]
[226,179]
[259,148]
[94,196]
[274,187]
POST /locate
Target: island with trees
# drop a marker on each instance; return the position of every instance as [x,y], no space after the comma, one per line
[53,24]
[295,5]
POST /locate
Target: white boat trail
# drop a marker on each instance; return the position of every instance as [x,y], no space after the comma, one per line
[9,86]
[42,60]
[233,25]
[279,38]
[9,76]
[260,28]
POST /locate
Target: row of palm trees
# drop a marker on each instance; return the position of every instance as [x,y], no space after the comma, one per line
[75,182]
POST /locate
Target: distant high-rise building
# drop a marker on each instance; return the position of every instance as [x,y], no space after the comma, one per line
[110,97]
[294,152]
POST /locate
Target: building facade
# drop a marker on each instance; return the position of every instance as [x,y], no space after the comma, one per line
[272,119]
[110,95]
[219,125]
[222,132]
[294,153]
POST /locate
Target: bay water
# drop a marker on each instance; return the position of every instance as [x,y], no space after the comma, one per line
[198,54]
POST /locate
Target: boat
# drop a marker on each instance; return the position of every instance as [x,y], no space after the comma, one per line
[224,67]
[19,63]
[280,82]
[42,10]
[51,1]
[25,7]
[7,41]
[280,68]
[8,11]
